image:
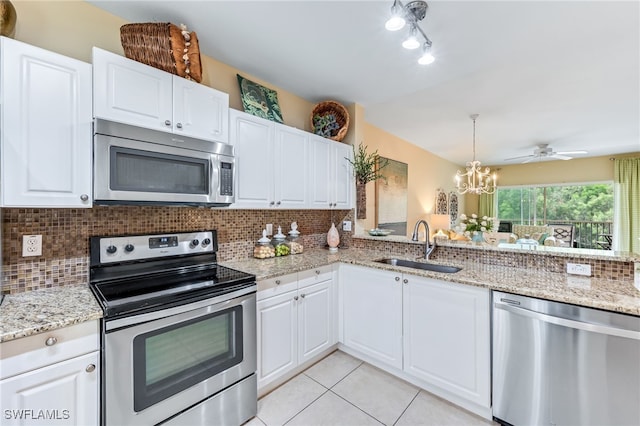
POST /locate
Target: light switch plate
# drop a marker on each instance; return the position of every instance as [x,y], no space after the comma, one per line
[346,225]
[31,245]
[579,269]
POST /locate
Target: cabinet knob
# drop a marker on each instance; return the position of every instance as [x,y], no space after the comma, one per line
[302,295]
[271,203]
[397,278]
[317,272]
[51,341]
[278,203]
[179,125]
[167,122]
[84,197]
[90,368]
[295,297]
[406,281]
[277,282]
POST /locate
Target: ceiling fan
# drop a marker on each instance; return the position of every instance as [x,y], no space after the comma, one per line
[544,151]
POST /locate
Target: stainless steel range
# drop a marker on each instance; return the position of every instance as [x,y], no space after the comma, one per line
[179,331]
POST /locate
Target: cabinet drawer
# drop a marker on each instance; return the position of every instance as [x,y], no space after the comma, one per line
[315,275]
[277,285]
[28,353]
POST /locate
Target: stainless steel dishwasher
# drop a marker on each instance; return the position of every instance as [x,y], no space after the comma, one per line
[559,364]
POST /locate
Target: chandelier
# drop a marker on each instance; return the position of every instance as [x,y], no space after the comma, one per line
[475,180]
[413,12]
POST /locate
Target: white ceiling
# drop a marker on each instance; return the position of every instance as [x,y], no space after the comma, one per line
[565,73]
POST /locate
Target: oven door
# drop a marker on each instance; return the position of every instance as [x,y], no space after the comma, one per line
[130,171]
[155,369]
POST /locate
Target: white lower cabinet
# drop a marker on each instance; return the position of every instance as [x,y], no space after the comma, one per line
[447,336]
[372,312]
[296,317]
[52,378]
[431,332]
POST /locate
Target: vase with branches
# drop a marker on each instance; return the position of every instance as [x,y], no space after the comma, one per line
[366,168]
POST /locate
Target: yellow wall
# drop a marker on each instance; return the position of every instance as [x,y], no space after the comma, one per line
[427,173]
[578,170]
[72,28]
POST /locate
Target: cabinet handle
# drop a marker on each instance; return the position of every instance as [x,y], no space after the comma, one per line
[406,281]
[51,341]
[167,122]
[84,197]
[90,368]
[397,278]
[179,125]
[277,282]
[302,295]
[295,298]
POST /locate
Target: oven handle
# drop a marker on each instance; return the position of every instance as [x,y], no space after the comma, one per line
[221,301]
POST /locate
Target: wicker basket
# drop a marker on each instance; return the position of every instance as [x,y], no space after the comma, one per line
[162,46]
[341,115]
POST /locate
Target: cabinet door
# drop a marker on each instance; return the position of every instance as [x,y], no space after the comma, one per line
[343,179]
[65,393]
[46,128]
[130,92]
[277,336]
[200,111]
[292,148]
[253,140]
[447,335]
[314,320]
[320,193]
[372,312]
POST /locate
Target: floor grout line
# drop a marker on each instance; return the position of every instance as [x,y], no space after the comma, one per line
[353,405]
[307,406]
[407,407]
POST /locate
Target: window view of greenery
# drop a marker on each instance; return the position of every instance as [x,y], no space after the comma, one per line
[589,208]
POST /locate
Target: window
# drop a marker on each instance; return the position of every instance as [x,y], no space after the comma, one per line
[588,207]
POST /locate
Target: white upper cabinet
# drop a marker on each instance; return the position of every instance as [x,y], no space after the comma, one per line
[271,162]
[200,111]
[330,175]
[45,128]
[131,92]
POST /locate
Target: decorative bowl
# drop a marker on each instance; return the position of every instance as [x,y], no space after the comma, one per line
[379,232]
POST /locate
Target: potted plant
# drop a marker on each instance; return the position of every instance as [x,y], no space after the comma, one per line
[366,168]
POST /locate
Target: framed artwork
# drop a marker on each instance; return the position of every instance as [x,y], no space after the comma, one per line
[391,197]
[259,101]
[453,207]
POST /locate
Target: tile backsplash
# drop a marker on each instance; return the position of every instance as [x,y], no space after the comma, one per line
[65,235]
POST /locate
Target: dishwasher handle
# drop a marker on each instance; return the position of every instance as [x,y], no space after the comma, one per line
[595,328]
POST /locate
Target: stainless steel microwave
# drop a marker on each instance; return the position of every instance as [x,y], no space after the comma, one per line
[133,165]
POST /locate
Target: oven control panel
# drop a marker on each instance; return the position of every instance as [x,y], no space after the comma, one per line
[140,247]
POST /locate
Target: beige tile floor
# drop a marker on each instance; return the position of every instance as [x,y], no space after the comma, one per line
[342,390]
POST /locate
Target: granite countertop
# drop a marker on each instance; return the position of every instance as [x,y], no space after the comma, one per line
[33,312]
[611,295]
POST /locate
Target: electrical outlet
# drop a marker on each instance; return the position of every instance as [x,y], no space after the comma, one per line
[269,228]
[579,269]
[346,225]
[31,245]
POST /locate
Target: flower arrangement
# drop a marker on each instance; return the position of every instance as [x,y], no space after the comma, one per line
[472,225]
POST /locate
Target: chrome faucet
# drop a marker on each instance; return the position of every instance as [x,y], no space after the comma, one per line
[428,248]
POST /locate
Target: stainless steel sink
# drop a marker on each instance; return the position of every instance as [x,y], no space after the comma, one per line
[420,265]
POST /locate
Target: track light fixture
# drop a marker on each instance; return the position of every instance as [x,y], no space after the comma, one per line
[413,12]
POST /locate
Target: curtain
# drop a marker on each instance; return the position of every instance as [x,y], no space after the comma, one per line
[487,205]
[626,180]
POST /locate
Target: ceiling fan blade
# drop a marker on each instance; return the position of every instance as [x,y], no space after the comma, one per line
[533,157]
[560,157]
[520,157]
[571,152]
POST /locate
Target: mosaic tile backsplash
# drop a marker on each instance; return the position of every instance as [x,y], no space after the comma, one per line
[65,235]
